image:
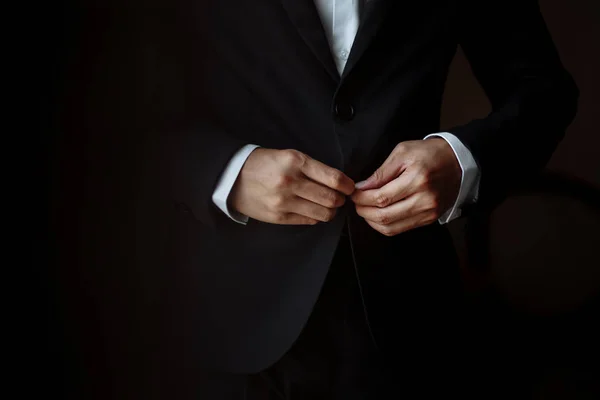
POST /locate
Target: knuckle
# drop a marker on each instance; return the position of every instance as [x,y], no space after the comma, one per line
[386,231]
[431,203]
[400,147]
[279,218]
[336,178]
[277,202]
[378,174]
[382,200]
[330,199]
[328,214]
[292,158]
[423,179]
[283,181]
[359,211]
[382,218]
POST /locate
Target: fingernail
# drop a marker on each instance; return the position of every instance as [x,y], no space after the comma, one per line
[360,185]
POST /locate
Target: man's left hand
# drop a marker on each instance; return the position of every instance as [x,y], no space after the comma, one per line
[417,183]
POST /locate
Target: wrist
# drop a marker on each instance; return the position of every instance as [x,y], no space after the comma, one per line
[448,153]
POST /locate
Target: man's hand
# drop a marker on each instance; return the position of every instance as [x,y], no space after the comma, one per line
[288,187]
[417,183]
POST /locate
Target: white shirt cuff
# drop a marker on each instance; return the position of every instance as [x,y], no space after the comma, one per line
[227,180]
[469,184]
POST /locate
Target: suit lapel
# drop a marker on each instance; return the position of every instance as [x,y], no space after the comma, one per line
[373,14]
[305,17]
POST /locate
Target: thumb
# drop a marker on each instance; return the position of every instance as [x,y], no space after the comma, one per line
[382,176]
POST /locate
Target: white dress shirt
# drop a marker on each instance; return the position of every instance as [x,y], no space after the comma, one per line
[340,19]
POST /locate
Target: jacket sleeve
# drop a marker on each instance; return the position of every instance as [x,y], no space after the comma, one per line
[193,161]
[191,143]
[533,97]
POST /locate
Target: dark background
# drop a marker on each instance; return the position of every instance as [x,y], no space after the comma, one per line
[48,41]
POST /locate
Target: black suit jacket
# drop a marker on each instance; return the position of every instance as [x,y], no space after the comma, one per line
[163,95]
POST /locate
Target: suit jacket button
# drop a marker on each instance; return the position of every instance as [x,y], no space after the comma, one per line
[344,111]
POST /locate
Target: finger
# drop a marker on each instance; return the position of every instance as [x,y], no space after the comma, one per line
[396,190]
[294,219]
[405,225]
[330,177]
[391,168]
[311,210]
[319,194]
[385,216]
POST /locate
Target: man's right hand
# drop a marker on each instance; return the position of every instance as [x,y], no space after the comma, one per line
[288,187]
